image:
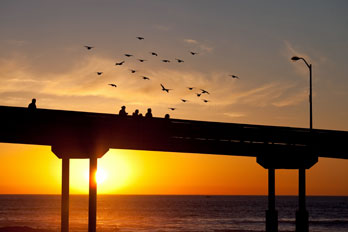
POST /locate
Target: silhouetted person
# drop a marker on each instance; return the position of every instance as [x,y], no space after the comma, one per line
[167,116]
[140,115]
[136,114]
[123,112]
[149,113]
[32,105]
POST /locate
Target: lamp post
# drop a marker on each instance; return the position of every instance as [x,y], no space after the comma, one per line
[296,58]
[302,214]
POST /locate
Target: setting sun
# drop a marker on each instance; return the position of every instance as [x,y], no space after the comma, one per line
[100,176]
[115,172]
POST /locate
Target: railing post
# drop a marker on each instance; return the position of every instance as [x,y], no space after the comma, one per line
[271,213]
[302,213]
[92,207]
[65,195]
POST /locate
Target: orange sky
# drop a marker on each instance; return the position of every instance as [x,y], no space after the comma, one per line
[43,56]
[140,172]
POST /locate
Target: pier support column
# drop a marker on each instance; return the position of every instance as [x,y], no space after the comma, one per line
[92,207]
[271,213]
[302,213]
[65,195]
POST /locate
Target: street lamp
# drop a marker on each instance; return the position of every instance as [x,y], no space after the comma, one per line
[302,213]
[296,58]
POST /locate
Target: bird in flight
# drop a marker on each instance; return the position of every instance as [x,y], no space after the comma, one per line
[88,47]
[179,60]
[165,89]
[205,91]
[120,63]
[128,55]
[154,53]
[166,61]
[140,38]
[132,70]
[198,94]
[145,78]
[99,73]
[193,53]
[190,88]
[183,100]
[172,108]
[205,100]
[113,85]
[234,76]
[141,60]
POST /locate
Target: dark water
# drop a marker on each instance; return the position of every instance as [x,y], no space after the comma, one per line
[172,213]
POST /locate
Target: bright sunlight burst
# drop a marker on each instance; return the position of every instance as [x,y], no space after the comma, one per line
[115,172]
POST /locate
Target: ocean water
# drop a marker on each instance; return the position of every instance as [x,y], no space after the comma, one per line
[172,213]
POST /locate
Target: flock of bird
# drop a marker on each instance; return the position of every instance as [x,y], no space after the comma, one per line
[164,89]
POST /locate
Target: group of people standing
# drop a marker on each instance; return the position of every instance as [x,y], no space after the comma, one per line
[136,113]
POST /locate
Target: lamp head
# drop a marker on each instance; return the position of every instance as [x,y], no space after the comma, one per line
[295,58]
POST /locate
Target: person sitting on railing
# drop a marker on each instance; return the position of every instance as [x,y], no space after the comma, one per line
[123,112]
[149,113]
[32,105]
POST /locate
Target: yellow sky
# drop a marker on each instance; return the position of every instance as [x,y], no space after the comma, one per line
[36,170]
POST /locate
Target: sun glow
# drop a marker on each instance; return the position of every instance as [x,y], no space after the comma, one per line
[101,175]
[115,172]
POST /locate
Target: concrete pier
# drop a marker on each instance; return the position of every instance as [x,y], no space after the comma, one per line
[271,213]
[65,195]
[92,206]
[302,213]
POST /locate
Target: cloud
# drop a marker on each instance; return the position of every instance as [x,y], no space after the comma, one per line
[80,88]
[200,45]
[162,27]
[191,41]
[16,42]
[235,115]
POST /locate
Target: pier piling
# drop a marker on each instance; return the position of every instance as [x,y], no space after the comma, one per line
[271,213]
[92,207]
[65,195]
[302,213]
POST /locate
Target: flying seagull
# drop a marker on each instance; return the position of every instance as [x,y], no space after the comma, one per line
[205,91]
[183,100]
[128,55]
[99,73]
[205,100]
[113,85]
[154,53]
[141,60]
[166,61]
[234,76]
[120,63]
[193,53]
[190,88]
[179,60]
[88,47]
[172,108]
[140,38]
[145,78]
[164,89]
[132,70]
